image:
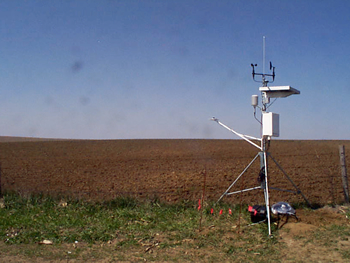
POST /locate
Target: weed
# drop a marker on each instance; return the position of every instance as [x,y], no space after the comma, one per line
[149,228]
[345,254]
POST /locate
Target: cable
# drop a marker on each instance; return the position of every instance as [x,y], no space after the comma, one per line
[256,117]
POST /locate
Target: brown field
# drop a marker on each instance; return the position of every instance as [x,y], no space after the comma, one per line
[173,171]
[169,170]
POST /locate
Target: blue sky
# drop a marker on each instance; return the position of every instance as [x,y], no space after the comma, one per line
[161,69]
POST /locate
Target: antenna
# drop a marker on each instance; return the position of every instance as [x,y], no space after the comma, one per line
[263,75]
[264,54]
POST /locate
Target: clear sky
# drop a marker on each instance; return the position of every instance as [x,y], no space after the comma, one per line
[124,69]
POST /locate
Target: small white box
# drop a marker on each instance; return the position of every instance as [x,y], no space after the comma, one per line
[271,124]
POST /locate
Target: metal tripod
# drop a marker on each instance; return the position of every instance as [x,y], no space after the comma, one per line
[263,154]
[270,121]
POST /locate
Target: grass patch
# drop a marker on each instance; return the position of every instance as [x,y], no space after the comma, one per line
[126,229]
[124,224]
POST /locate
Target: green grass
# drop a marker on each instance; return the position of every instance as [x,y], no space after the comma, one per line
[126,229]
[128,225]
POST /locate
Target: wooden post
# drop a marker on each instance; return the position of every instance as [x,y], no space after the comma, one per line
[0,182]
[344,173]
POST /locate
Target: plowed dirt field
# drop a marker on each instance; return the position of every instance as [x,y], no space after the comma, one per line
[169,170]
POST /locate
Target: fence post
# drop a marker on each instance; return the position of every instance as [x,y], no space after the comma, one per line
[0,181]
[344,172]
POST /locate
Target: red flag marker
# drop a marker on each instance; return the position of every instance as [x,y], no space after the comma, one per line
[230,211]
[212,211]
[221,212]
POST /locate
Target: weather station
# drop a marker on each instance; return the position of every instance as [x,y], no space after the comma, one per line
[269,125]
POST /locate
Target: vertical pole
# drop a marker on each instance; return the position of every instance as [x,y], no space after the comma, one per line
[0,182]
[344,173]
[266,190]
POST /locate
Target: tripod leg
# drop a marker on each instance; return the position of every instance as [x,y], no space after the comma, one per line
[228,189]
[286,220]
[278,220]
[286,175]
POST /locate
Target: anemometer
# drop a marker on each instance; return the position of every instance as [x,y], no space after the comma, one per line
[269,122]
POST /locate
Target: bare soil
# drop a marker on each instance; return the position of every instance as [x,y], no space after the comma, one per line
[170,170]
[176,170]
[305,241]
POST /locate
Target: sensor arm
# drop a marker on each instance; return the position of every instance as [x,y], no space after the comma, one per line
[244,137]
[264,81]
